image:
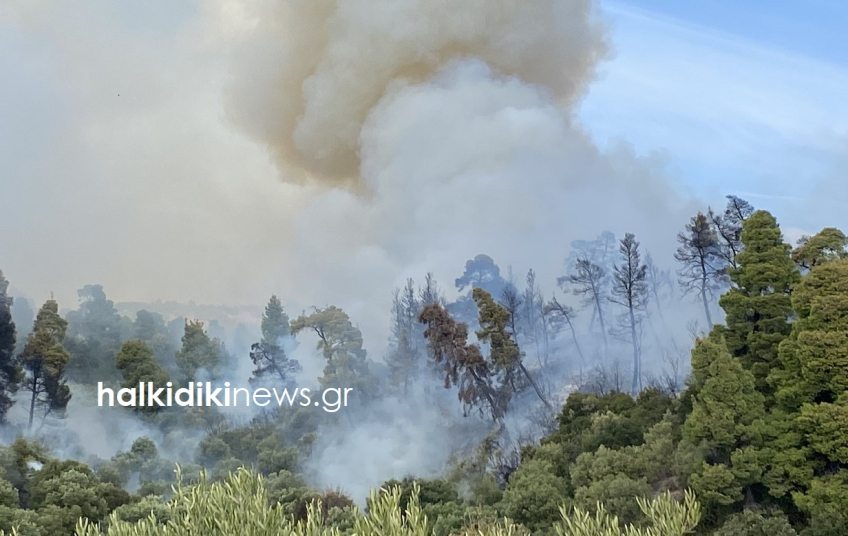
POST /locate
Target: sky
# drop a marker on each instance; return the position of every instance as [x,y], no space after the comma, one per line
[741,97]
[119,131]
[814,28]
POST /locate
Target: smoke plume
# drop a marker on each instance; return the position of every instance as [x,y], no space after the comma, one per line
[410,135]
[428,132]
[313,71]
[451,126]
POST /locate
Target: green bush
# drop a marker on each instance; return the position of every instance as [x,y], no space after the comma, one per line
[239,506]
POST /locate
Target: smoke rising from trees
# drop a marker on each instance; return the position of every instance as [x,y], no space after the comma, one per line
[410,137]
[404,138]
[450,130]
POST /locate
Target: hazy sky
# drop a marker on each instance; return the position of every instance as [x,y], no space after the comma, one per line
[118,164]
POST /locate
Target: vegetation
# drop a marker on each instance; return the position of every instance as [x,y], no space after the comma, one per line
[752,424]
[240,506]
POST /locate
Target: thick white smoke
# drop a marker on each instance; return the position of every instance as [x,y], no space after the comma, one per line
[432,131]
[311,71]
[422,133]
[454,122]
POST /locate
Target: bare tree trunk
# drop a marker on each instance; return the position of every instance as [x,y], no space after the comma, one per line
[657,301]
[576,344]
[535,387]
[637,373]
[496,412]
[601,320]
[706,305]
[33,401]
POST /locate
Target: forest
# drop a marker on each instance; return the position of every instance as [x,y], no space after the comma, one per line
[602,409]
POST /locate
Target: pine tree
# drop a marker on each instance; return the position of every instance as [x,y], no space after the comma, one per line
[150,328]
[726,403]
[630,290]
[728,228]
[430,292]
[480,272]
[403,355]
[505,355]
[809,448]
[533,313]
[659,284]
[726,424]
[590,281]
[814,359]
[758,306]
[463,365]
[562,316]
[340,342]
[10,372]
[94,337]
[43,360]
[275,322]
[401,360]
[198,352]
[513,302]
[829,244]
[700,255]
[269,355]
[137,364]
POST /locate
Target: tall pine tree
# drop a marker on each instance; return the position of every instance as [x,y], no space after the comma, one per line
[403,353]
[137,364]
[268,355]
[758,305]
[630,290]
[726,426]
[702,264]
[94,337]
[504,353]
[10,372]
[728,228]
[809,448]
[340,342]
[44,360]
[275,322]
[829,244]
[198,352]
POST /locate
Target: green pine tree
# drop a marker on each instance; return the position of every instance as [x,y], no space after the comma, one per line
[504,353]
[137,364]
[10,371]
[829,244]
[726,425]
[758,305]
[275,322]
[268,355]
[340,342]
[809,449]
[198,352]
[43,360]
[94,337]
